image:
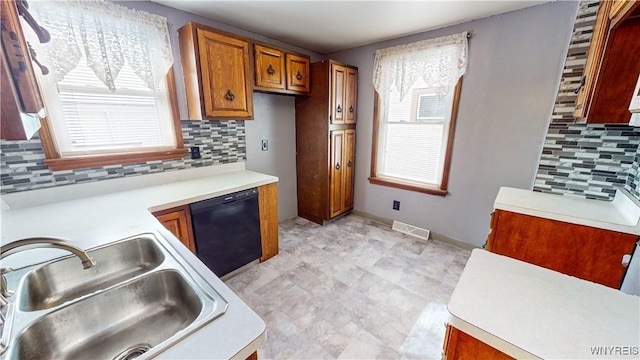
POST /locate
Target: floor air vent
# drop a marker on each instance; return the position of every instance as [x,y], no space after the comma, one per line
[411,230]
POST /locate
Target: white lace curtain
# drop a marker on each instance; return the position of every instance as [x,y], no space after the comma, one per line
[107,35]
[439,62]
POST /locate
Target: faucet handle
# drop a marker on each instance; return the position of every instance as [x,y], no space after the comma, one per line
[4,291]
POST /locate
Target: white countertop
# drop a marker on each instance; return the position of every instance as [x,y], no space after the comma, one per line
[95,220]
[527,311]
[622,214]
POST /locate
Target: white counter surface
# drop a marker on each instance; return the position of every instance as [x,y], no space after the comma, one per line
[622,214]
[527,311]
[99,219]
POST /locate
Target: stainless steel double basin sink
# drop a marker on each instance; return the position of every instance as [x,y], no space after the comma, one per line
[140,298]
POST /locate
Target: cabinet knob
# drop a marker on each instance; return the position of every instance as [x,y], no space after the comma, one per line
[337,166]
[351,108]
[339,109]
[34,57]
[229,95]
[299,76]
[270,70]
[349,163]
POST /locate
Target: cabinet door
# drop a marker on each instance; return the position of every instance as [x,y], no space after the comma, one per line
[351,96]
[336,190]
[459,345]
[338,79]
[20,91]
[298,73]
[178,221]
[349,159]
[609,77]
[584,252]
[268,203]
[269,67]
[224,66]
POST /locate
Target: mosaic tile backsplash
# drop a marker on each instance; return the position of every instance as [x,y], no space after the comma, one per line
[22,162]
[586,160]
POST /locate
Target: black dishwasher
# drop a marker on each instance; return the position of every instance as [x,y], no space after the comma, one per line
[227,231]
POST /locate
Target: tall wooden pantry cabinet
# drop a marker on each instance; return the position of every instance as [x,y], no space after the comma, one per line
[325,142]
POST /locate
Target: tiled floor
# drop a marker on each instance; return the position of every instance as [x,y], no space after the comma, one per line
[353,289]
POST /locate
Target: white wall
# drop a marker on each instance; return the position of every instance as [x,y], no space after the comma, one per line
[515,62]
[275,121]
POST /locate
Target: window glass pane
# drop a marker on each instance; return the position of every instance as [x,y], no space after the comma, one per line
[97,118]
[414,133]
[430,107]
[413,151]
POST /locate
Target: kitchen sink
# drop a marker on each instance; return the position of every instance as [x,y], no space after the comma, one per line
[140,298]
[62,280]
[139,315]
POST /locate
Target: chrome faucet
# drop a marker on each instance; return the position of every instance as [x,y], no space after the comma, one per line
[39,242]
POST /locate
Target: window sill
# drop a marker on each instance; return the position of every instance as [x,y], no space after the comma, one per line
[407,185]
[72,163]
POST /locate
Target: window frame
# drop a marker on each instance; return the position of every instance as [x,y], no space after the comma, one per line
[382,180]
[56,162]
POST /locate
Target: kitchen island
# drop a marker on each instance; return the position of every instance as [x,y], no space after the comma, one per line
[95,214]
[529,312]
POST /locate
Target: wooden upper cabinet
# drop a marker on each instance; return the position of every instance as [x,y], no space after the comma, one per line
[344,93]
[269,67]
[217,73]
[351,96]
[278,70]
[20,91]
[298,75]
[611,71]
[338,81]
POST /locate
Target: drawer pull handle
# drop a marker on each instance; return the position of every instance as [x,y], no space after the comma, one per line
[34,58]
[229,95]
[337,166]
[270,70]
[339,109]
[298,76]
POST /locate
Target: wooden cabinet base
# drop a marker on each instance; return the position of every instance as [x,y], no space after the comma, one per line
[268,200]
[584,252]
[178,221]
[462,346]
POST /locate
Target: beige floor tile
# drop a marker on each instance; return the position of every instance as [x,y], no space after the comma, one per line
[353,289]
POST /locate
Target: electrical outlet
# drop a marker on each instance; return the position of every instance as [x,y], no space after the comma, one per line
[396,205]
[195,152]
[265,145]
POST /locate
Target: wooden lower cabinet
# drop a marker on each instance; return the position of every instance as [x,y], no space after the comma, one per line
[585,252]
[459,345]
[268,203]
[343,144]
[178,221]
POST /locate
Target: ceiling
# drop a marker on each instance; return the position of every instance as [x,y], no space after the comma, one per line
[328,26]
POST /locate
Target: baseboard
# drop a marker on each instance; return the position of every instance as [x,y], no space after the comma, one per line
[433,236]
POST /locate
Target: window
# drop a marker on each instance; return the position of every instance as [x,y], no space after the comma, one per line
[109,96]
[417,91]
